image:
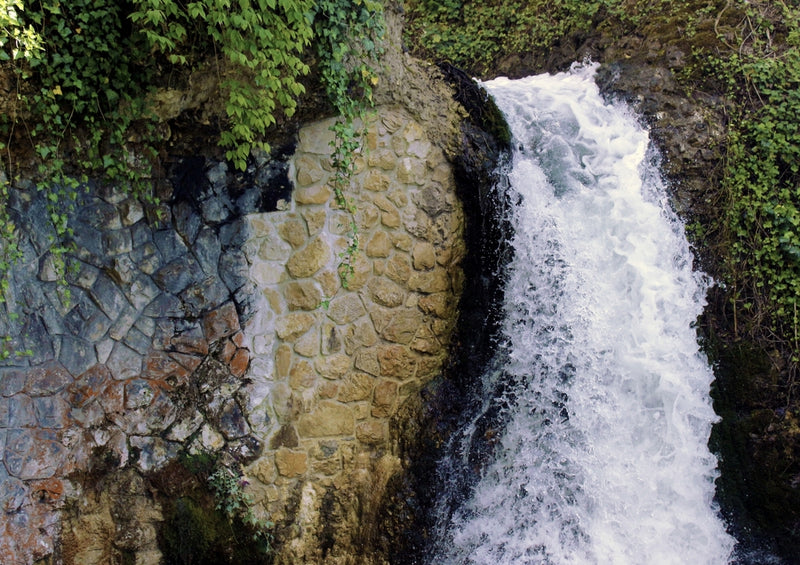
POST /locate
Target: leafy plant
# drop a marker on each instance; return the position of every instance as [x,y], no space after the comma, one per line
[349,36]
[228,486]
[262,42]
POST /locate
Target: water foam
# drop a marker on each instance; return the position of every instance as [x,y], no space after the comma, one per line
[604,455]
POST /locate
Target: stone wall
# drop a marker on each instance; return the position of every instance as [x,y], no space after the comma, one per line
[121,347]
[210,324]
[333,365]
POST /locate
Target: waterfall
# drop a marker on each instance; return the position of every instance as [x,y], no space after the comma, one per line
[599,390]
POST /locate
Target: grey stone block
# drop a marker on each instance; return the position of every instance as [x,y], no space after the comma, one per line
[124,362]
[187,221]
[117,242]
[170,244]
[108,296]
[76,355]
[207,249]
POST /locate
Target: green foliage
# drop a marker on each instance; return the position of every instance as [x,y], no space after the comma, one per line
[472,34]
[228,485]
[17,40]
[349,35]
[763,167]
[262,42]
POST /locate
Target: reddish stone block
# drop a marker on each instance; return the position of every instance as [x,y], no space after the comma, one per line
[239,362]
[47,379]
[113,399]
[88,386]
[190,345]
[162,367]
[33,454]
[47,490]
[189,362]
[222,322]
[238,339]
[227,351]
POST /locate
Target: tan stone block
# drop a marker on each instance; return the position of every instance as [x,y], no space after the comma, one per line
[383,203]
[376,181]
[329,418]
[308,344]
[425,341]
[275,300]
[433,200]
[293,231]
[411,170]
[413,132]
[331,339]
[429,282]
[367,217]
[309,260]
[315,219]
[327,467]
[273,248]
[267,273]
[328,389]
[302,375]
[441,304]
[356,387]
[362,272]
[391,219]
[292,326]
[393,120]
[339,222]
[371,141]
[423,256]
[316,138]
[398,268]
[419,148]
[283,360]
[308,170]
[421,226]
[380,317]
[386,293]
[442,328]
[366,359]
[429,366]
[334,367]
[263,469]
[399,197]
[396,362]
[378,267]
[286,436]
[401,240]
[303,295]
[380,245]
[399,145]
[346,309]
[382,159]
[360,410]
[291,463]
[383,398]
[359,334]
[372,432]
[403,326]
[409,388]
[329,281]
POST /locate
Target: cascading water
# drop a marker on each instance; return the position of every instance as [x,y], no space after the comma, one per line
[602,453]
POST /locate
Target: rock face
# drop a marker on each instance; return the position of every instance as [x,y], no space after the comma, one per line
[125,344]
[333,365]
[210,325]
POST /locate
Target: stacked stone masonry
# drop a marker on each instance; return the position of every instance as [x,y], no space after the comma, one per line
[207,325]
[331,365]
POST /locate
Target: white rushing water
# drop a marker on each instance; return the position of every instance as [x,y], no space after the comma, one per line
[604,457]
